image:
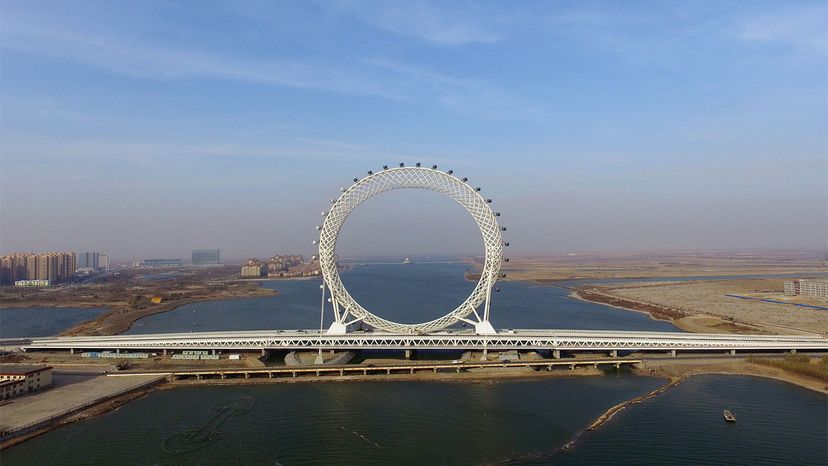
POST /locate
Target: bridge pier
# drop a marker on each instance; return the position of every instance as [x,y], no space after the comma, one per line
[409,353]
[673,353]
[556,353]
[793,351]
[71,350]
[614,353]
[165,352]
[485,355]
[733,352]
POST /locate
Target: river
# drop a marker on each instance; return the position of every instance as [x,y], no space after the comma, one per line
[403,293]
[516,422]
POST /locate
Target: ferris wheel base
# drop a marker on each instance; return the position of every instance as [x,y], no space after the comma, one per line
[337,328]
[484,328]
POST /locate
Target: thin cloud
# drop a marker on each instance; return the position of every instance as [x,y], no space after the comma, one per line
[803,27]
[421,20]
[376,78]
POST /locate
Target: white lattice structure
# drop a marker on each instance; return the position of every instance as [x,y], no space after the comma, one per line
[348,311]
[573,340]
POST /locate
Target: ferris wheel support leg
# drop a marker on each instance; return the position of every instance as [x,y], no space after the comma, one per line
[484,327]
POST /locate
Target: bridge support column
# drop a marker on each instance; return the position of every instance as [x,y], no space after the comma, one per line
[572,367]
[617,366]
[165,352]
[614,353]
[264,352]
[408,353]
[673,353]
[556,353]
[733,352]
[485,355]
[117,350]
[793,351]
[71,350]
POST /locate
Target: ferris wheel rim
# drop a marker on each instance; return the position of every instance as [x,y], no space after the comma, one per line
[388,179]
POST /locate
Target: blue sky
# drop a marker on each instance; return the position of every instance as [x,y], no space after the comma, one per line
[150,128]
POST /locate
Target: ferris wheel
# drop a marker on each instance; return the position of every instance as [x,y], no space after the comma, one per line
[348,311]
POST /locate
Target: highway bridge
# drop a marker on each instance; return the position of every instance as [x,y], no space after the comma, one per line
[555,340]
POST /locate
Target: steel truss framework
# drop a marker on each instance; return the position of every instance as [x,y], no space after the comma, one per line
[515,339]
[347,310]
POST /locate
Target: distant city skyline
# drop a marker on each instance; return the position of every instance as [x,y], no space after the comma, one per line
[150,129]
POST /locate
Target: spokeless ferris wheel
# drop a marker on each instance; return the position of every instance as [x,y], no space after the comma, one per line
[348,311]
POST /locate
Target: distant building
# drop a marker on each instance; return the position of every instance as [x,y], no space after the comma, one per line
[251,268]
[92,260]
[52,266]
[32,283]
[279,266]
[161,263]
[18,380]
[812,288]
[206,257]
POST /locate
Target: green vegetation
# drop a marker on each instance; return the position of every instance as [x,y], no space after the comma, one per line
[798,364]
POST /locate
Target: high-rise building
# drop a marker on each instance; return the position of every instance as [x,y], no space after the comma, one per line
[52,266]
[93,260]
[206,257]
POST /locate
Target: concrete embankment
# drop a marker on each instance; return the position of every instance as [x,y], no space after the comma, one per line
[66,401]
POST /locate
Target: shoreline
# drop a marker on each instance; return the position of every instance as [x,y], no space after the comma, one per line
[675,380]
[98,409]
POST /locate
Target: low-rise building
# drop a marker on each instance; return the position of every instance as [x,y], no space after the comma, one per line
[252,268]
[806,287]
[32,283]
[17,380]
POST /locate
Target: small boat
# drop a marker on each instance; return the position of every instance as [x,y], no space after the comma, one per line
[407,261]
[728,416]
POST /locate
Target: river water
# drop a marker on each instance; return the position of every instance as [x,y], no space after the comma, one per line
[42,321]
[423,423]
[404,293]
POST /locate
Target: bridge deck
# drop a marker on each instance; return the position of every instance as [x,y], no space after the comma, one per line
[503,340]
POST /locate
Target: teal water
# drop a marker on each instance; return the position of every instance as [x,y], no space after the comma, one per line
[404,293]
[375,423]
[456,423]
[42,321]
[776,423]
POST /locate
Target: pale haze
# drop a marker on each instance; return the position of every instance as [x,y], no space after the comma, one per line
[147,129]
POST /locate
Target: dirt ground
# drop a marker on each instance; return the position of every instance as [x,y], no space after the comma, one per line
[706,305]
[663,264]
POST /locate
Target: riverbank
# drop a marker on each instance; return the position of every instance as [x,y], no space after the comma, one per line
[709,306]
[71,398]
[683,318]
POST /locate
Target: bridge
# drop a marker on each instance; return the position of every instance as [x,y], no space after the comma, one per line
[526,339]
